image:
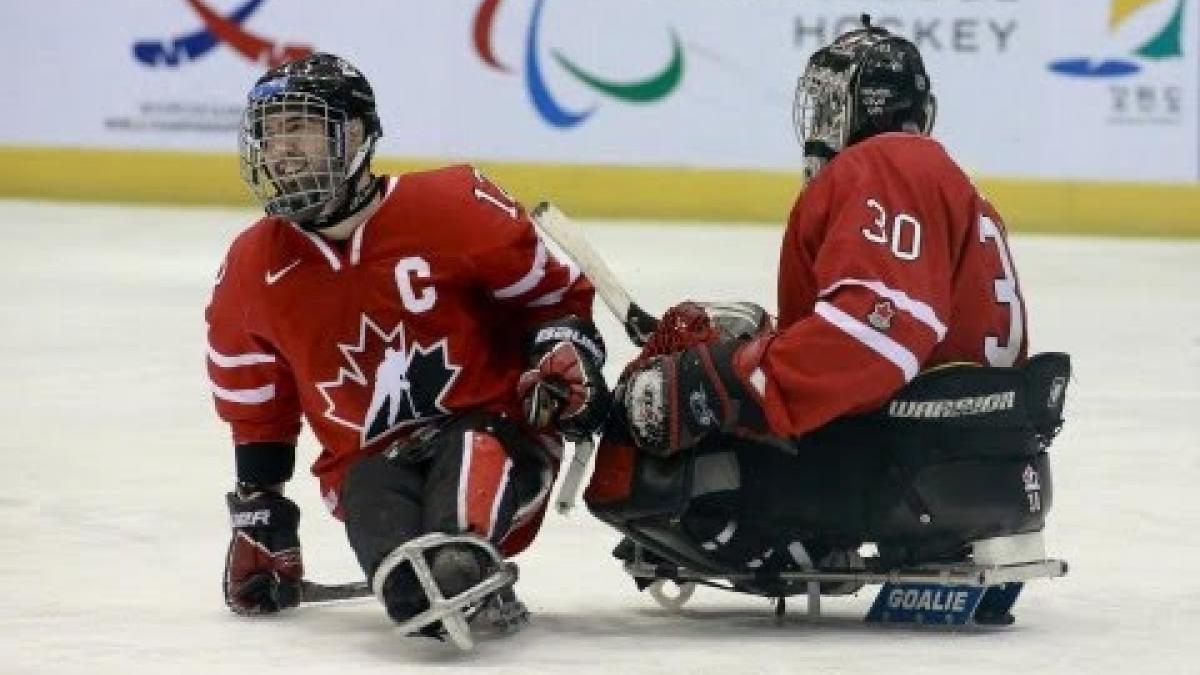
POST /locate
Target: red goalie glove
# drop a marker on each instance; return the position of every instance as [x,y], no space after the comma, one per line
[694,377]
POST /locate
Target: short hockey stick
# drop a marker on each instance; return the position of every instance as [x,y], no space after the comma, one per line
[311,591]
[637,322]
[568,489]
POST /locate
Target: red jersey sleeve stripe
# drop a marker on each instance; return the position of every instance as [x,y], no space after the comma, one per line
[531,279]
[893,351]
[919,310]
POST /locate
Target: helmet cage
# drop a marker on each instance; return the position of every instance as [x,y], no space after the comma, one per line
[822,111]
[295,167]
[866,82]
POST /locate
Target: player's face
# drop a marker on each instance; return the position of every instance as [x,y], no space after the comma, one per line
[294,145]
[295,153]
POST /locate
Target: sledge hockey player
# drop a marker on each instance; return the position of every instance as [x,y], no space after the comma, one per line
[739,447]
[432,342]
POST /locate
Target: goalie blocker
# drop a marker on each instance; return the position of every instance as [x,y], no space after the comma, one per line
[957,457]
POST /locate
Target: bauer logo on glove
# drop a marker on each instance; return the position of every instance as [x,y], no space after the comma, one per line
[250,518]
[564,390]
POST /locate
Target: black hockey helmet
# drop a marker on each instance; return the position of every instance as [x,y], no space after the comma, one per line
[866,82]
[307,168]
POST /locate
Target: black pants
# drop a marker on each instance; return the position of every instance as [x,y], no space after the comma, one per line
[480,475]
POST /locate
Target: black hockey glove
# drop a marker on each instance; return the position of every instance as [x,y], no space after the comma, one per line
[672,401]
[564,388]
[263,566]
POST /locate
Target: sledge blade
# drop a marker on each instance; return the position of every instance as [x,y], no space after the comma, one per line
[938,604]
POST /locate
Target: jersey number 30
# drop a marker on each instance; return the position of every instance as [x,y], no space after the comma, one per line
[904,236]
[1005,354]
[901,234]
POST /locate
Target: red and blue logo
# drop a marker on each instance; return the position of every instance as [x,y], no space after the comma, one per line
[218,29]
[654,87]
[1164,44]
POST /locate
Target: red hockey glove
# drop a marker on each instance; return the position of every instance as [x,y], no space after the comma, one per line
[263,566]
[671,402]
[564,390]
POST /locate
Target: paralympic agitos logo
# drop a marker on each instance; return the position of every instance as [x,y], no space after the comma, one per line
[648,90]
[218,29]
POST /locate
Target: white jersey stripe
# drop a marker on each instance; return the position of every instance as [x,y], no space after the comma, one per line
[356,243]
[356,239]
[758,379]
[323,246]
[531,279]
[879,343]
[250,396]
[525,510]
[554,297]
[235,360]
[464,475]
[919,310]
[391,185]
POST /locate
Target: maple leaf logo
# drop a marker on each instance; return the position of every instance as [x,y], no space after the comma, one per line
[881,316]
[399,384]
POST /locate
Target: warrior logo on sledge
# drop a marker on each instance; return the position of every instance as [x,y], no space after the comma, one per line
[954,407]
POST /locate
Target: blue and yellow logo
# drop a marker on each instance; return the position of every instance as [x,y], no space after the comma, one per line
[1165,44]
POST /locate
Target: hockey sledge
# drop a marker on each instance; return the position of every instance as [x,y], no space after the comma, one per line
[980,591]
[939,498]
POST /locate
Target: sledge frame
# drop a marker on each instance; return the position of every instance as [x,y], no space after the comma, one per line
[969,574]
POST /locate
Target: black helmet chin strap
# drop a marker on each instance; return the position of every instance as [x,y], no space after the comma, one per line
[351,197]
[816,155]
[819,149]
[350,201]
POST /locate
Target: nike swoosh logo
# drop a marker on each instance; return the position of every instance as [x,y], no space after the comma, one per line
[272,277]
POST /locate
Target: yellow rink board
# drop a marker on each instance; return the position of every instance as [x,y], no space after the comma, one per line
[185,178]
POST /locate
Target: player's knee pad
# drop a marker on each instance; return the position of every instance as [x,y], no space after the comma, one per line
[436,582]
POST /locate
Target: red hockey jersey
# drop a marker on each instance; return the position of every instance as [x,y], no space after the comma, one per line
[891,263]
[425,311]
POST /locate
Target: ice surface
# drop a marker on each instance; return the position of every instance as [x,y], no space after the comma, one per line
[113,468]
